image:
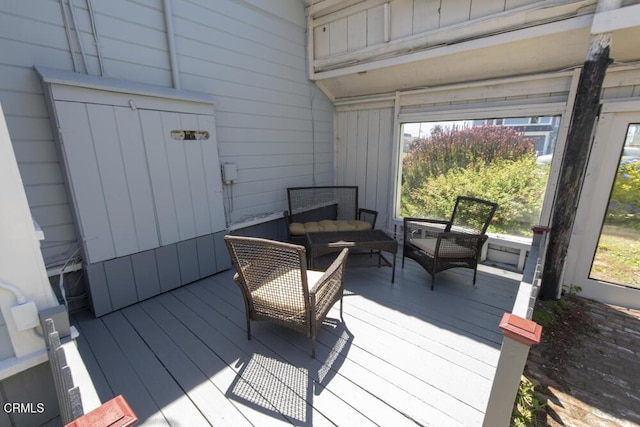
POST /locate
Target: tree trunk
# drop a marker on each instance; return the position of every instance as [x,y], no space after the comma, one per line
[576,153]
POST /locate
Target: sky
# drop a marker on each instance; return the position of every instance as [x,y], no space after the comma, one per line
[424,128]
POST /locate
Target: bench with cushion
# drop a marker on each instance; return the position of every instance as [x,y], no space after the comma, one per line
[328,208]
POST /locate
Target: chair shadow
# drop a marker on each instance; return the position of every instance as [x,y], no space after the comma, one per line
[273,386]
[333,354]
[284,385]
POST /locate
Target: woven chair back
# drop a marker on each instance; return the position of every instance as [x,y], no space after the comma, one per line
[471,215]
[341,201]
[274,273]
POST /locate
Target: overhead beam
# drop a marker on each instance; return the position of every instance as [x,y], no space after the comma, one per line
[616,19]
[465,46]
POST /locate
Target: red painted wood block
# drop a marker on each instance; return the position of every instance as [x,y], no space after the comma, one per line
[520,329]
[540,229]
[114,413]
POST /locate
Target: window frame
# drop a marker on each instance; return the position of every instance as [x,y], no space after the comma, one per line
[488,113]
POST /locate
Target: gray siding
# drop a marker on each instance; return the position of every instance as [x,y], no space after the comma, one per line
[275,230]
[364,158]
[123,281]
[6,351]
[26,115]
[270,121]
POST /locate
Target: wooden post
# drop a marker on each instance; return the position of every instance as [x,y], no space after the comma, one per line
[519,335]
[576,153]
[115,412]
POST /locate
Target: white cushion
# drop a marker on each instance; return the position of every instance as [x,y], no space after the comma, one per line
[453,250]
[267,294]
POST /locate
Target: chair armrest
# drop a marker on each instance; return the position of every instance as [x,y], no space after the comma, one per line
[451,242]
[455,235]
[335,271]
[425,221]
[329,287]
[409,229]
[368,215]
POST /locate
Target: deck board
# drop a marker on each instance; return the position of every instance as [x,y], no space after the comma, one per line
[161,385]
[401,355]
[338,399]
[231,356]
[121,376]
[100,383]
[176,356]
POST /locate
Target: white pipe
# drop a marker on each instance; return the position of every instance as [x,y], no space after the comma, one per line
[387,23]
[70,268]
[75,25]
[14,290]
[171,42]
[65,20]
[96,38]
[606,5]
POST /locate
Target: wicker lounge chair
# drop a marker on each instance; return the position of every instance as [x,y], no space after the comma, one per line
[277,286]
[459,244]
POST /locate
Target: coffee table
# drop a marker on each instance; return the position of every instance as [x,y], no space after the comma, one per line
[322,243]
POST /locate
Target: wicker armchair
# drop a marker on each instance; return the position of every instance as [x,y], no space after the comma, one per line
[458,244]
[277,286]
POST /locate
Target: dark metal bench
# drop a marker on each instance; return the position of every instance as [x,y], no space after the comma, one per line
[325,208]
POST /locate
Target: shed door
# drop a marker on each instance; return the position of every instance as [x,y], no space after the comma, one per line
[608,260]
[139,179]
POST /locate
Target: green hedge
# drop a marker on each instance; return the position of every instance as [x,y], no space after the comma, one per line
[625,197]
[494,163]
[498,164]
[457,148]
[516,185]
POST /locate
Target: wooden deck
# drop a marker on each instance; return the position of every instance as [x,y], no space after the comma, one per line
[403,355]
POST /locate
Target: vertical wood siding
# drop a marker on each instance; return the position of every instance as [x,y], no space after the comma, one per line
[361,26]
[271,122]
[364,153]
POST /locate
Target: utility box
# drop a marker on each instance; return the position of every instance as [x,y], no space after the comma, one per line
[147,205]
